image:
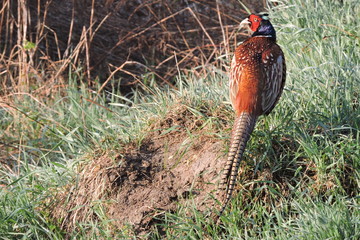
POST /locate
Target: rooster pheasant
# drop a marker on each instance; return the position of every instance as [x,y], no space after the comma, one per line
[257,79]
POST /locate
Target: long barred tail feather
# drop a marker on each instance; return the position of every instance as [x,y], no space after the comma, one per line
[243,127]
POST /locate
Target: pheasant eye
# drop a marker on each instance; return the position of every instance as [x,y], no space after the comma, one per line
[255,19]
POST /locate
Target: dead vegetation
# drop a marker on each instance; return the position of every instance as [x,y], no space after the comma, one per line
[42,39]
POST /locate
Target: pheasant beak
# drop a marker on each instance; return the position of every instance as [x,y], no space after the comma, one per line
[245,23]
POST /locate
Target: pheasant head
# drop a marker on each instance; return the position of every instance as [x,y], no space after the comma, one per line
[259,25]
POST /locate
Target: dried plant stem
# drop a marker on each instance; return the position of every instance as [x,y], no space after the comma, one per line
[23,82]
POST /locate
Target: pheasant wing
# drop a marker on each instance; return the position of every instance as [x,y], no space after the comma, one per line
[275,75]
[235,76]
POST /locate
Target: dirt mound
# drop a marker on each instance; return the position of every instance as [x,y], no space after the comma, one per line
[177,161]
[139,184]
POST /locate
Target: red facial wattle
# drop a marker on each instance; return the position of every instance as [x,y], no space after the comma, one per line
[255,22]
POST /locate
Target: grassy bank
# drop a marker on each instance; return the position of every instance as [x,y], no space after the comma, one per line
[301,172]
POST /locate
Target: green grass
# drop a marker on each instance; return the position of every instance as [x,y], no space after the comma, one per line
[309,144]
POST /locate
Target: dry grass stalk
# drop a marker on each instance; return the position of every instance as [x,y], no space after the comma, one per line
[93,35]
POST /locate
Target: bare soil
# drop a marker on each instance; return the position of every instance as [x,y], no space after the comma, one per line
[142,182]
[159,176]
